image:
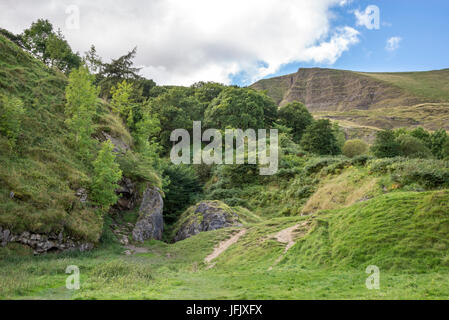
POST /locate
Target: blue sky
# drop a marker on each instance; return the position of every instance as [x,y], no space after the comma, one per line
[423,27]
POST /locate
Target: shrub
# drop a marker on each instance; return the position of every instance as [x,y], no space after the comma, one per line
[385,145]
[412,147]
[439,140]
[316,164]
[106,175]
[429,174]
[353,148]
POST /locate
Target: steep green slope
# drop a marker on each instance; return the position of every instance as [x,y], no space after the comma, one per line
[40,175]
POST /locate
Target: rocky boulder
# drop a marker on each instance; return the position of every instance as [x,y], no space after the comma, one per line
[150,223]
[205,216]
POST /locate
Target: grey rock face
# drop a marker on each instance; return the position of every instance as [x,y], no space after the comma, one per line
[128,194]
[150,223]
[206,216]
[119,146]
[42,243]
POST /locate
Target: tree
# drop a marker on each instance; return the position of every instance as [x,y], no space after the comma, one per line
[93,60]
[339,134]
[176,108]
[35,38]
[356,147]
[422,135]
[296,116]
[106,175]
[438,140]
[205,92]
[11,111]
[240,108]
[81,96]
[413,147]
[50,46]
[319,138]
[116,71]
[385,145]
[182,190]
[121,101]
[60,54]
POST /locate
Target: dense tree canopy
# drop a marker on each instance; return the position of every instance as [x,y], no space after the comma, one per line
[240,108]
[319,138]
[49,46]
[295,116]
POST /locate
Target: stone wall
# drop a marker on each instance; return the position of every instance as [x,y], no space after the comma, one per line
[43,243]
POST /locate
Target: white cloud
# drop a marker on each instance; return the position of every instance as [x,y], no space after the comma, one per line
[181,42]
[370,18]
[393,44]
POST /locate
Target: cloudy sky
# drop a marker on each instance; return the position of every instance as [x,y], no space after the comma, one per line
[240,41]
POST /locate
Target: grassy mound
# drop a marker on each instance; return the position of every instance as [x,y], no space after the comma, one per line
[397,231]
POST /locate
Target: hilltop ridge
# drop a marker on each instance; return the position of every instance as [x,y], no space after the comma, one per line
[361,98]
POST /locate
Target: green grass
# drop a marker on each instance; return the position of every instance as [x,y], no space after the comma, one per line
[430,85]
[404,233]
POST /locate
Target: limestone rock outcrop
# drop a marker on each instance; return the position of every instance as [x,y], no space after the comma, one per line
[205,216]
[150,223]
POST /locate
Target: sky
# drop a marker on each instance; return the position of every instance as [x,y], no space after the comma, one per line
[180,42]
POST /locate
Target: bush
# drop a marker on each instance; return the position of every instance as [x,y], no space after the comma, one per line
[439,140]
[412,147]
[385,145]
[106,175]
[316,164]
[429,174]
[353,148]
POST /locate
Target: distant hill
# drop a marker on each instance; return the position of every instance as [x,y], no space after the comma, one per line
[367,100]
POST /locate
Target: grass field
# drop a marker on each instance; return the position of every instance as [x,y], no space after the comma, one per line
[397,232]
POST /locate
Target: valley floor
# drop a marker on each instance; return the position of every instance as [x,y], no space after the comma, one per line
[248,269]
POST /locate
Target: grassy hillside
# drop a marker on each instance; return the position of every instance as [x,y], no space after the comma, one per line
[40,175]
[430,85]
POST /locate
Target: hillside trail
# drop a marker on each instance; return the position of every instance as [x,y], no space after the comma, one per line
[289,237]
[222,247]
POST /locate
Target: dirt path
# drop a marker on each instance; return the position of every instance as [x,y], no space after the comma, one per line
[223,246]
[288,237]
